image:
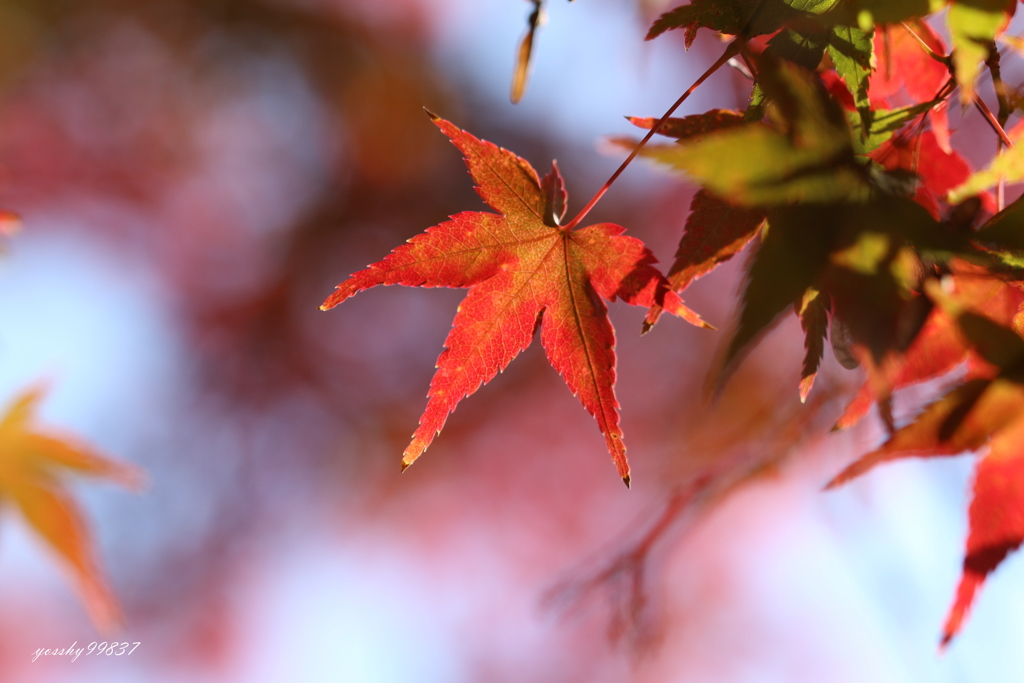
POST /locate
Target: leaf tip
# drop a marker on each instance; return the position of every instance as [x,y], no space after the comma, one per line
[341,293]
[970,582]
[651,319]
[405,465]
[331,301]
[806,384]
[433,117]
[626,480]
[847,420]
[674,305]
[949,632]
[857,468]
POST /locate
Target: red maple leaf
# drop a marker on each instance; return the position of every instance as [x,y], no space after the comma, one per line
[904,63]
[524,270]
[983,412]
[939,347]
[938,170]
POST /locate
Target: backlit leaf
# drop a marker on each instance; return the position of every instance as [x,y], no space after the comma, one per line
[813,313]
[686,127]
[525,52]
[788,261]
[725,17]
[940,346]
[982,412]
[715,231]
[996,518]
[851,51]
[937,170]
[965,420]
[522,273]
[883,124]
[904,63]
[853,252]
[805,156]
[804,46]
[32,465]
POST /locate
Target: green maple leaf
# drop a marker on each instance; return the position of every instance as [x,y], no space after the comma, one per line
[805,153]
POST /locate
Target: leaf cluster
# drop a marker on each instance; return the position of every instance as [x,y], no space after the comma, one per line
[863,218]
[863,237]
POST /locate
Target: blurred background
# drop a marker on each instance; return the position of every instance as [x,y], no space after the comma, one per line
[195,176]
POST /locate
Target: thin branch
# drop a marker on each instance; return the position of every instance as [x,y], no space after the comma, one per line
[978,102]
[731,51]
[994,68]
[627,572]
[990,117]
[947,89]
[745,54]
[1005,109]
[944,59]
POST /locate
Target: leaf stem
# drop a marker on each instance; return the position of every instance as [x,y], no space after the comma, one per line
[731,51]
[990,117]
[995,69]
[944,59]
[978,102]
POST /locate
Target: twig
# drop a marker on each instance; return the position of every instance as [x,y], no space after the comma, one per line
[943,59]
[978,102]
[994,68]
[731,51]
[990,117]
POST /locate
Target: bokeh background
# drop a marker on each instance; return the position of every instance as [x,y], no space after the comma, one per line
[195,176]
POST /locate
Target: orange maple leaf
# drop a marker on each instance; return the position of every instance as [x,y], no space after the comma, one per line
[523,270]
[31,465]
